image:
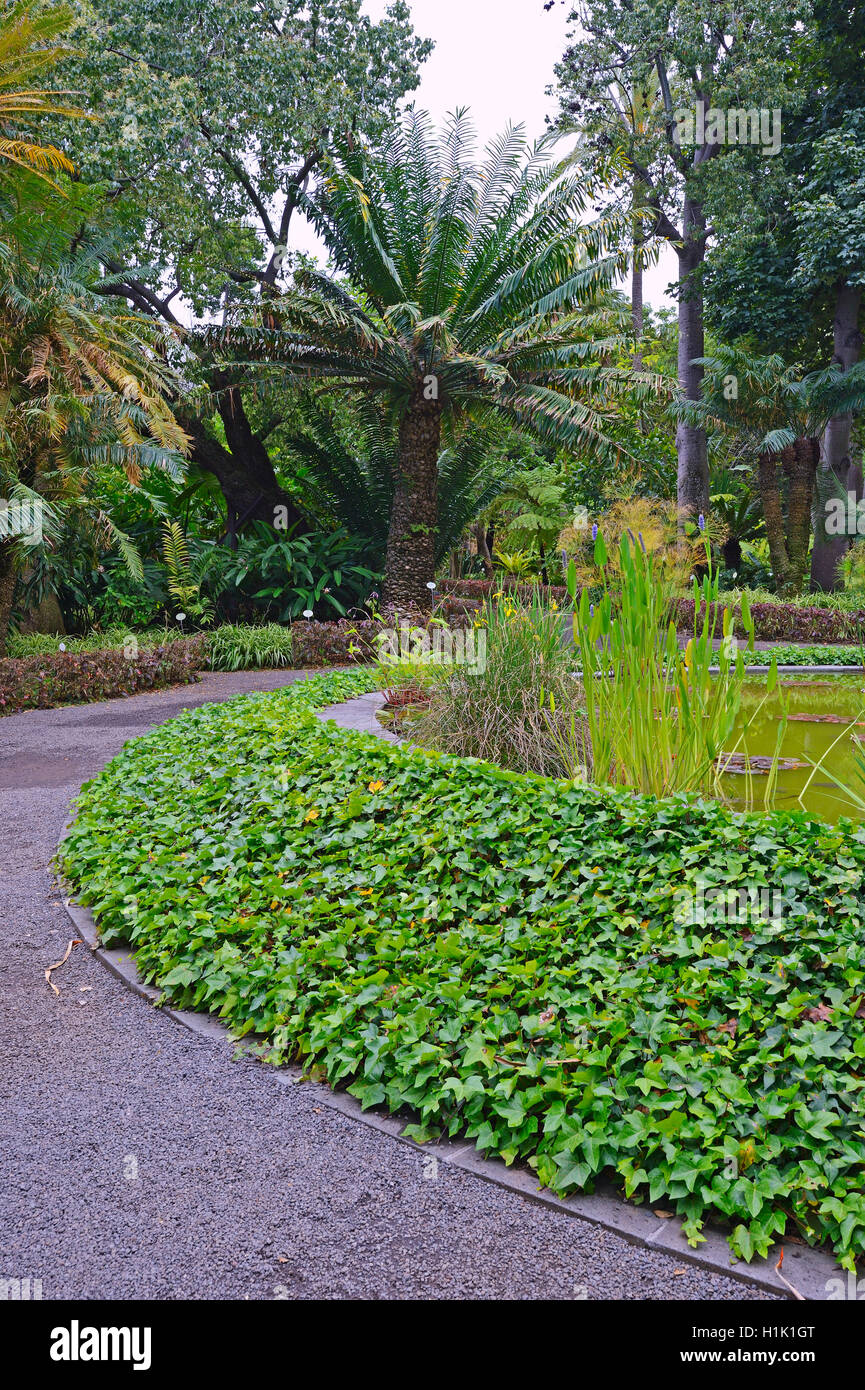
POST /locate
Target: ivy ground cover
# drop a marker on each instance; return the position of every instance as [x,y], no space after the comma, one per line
[506,956]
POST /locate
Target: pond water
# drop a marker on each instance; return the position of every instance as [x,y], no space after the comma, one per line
[820,709]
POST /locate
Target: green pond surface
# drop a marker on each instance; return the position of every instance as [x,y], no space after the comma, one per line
[808,741]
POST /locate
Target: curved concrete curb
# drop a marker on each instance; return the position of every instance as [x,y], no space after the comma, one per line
[809,1271]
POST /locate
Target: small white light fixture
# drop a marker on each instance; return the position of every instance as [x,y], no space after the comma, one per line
[430,586]
[307,612]
[62,647]
[181,617]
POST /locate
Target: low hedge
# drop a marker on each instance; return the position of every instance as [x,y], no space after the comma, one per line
[773,622]
[787,622]
[61,678]
[505,956]
[807,656]
[85,671]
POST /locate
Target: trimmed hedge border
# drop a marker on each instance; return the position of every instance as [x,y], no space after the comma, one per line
[64,678]
[773,622]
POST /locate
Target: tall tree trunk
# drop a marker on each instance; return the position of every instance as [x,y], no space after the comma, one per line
[773,515]
[7,592]
[806,456]
[693,465]
[244,470]
[637,312]
[836,467]
[483,549]
[410,564]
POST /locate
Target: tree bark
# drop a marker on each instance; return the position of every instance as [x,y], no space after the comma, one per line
[637,311]
[7,592]
[410,564]
[836,465]
[244,470]
[483,549]
[806,456]
[773,515]
[693,464]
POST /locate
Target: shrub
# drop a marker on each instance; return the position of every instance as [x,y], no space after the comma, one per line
[283,575]
[787,622]
[497,712]
[40,682]
[335,644]
[773,620]
[507,956]
[244,648]
[38,643]
[807,656]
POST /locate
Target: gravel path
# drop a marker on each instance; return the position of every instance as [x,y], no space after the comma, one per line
[139,1161]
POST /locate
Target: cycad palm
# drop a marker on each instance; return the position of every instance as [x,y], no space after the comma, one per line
[81,386]
[782,414]
[28,34]
[464,288]
[346,472]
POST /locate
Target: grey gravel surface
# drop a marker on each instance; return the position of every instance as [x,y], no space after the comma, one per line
[139,1161]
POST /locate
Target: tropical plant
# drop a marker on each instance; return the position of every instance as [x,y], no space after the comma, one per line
[233,647]
[185,576]
[289,575]
[346,466]
[784,415]
[464,288]
[28,46]
[735,516]
[84,387]
[532,509]
[515,563]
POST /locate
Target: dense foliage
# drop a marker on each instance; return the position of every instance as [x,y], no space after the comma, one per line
[506,956]
[65,678]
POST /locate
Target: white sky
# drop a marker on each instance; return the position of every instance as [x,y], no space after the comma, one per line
[496,57]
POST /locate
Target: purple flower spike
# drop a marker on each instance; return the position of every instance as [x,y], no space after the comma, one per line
[595,532]
[701,522]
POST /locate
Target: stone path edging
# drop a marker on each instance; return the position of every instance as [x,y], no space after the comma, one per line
[809,1271]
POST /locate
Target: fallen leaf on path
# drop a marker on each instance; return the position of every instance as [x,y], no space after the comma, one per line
[76,941]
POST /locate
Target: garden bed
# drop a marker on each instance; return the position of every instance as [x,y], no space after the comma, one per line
[63,678]
[510,957]
[773,622]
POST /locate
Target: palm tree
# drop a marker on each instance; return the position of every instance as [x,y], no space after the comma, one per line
[461,289]
[28,45]
[346,467]
[783,414]
[82,387]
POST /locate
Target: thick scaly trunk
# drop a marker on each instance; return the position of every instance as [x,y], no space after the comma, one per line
[410,564]
[773,515]
[788,543]
[7,592]
[806,456]
[693,465]
[836,467]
